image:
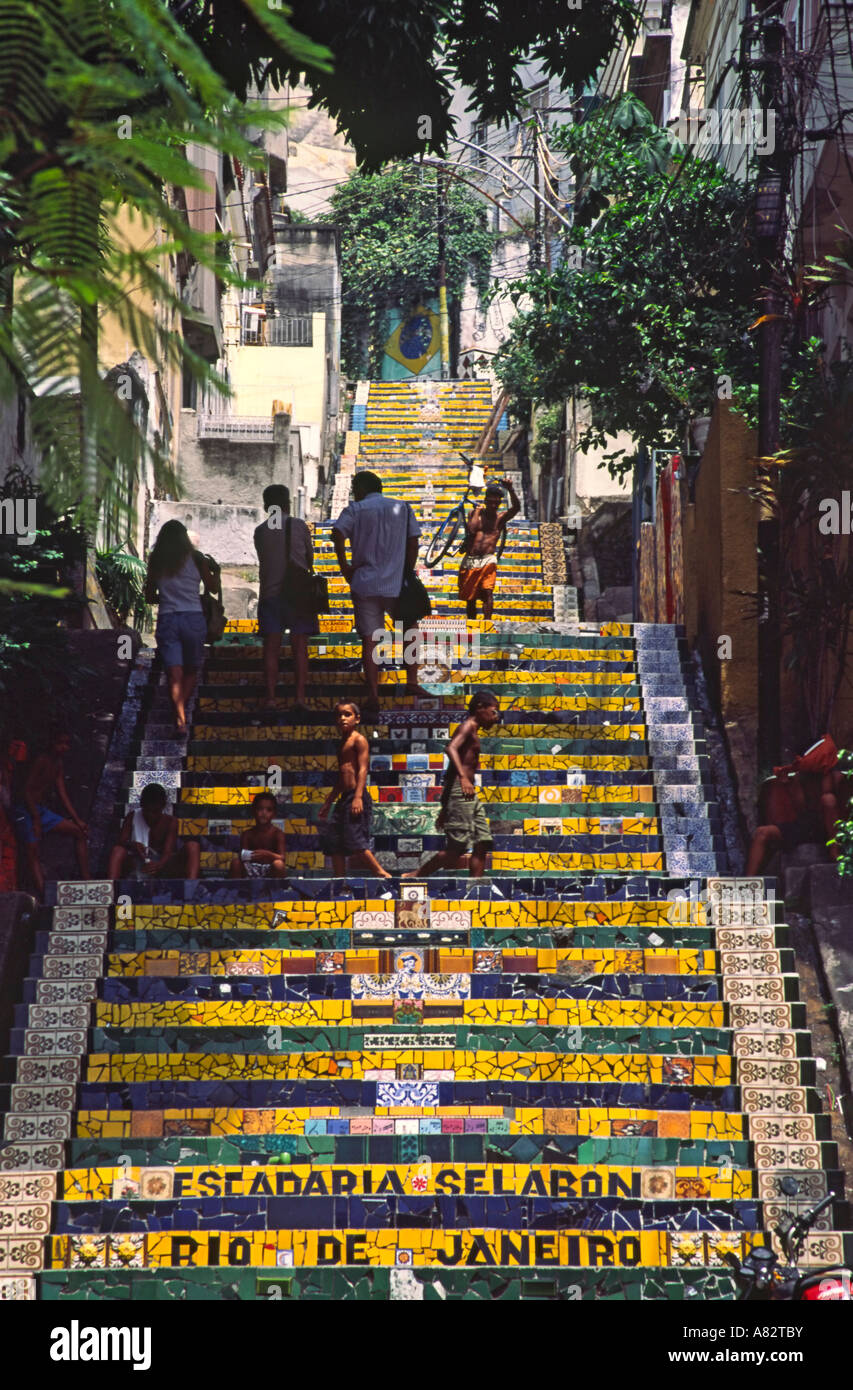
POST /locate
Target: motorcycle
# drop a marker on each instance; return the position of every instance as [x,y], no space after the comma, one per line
[765,1278]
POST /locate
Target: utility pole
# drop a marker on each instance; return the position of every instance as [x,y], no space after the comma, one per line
[537,208]
[443,322]
[770,230]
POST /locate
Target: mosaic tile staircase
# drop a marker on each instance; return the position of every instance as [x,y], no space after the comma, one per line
[584,1076]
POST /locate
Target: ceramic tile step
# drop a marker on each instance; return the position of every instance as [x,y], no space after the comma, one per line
[216,865]
[233,778]
[396,1209]
[581,646]
[192,939]
[189,935]
[548,852]
[589,901]
[507,1284]
[585,899]
[394,818]
[651,1190]
[628,1155]
[274,1249]
[110,1103]
[213,1051]
[589,1003]
[525,690]
[191,804]
[546,735]
[243,655]
[527,1134]
[521,688]
[206,794]
[349,1113]
[368,998]
[616,741]
[224,705]
[696,1065]
[400,833]
[623,903]
[242,983]
[567,967]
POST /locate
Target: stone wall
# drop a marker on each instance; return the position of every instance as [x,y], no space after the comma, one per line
[225,531]
[236,471]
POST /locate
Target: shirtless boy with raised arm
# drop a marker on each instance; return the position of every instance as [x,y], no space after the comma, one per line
[479,569]
[462,817]
[345,826]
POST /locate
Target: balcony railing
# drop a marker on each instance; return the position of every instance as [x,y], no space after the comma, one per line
[252,429]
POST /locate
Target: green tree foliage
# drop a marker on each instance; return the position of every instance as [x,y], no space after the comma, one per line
[97,101]
[389,253]
[798,487]
[395,63]
[656,291]
[37,674]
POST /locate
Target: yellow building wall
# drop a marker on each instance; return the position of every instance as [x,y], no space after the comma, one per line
[720,534]
[114,345]
[296,376]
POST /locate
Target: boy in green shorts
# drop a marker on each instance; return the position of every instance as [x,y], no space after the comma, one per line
[462,818]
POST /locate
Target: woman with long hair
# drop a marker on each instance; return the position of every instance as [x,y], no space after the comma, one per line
[175,570]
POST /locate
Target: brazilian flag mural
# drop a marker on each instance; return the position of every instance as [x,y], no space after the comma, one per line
[413,347]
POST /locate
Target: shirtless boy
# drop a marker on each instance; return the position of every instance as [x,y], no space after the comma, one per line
[149,840]
[479,569]
[345,826]
[34,819]
[462,817]
[263,846]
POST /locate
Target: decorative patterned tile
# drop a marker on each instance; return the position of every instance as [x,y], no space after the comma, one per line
[95,893]
[18,1290]
[19,1254]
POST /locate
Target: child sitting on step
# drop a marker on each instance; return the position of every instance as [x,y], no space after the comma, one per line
[262,847]
[462,817]
[345,826]
[148,842]
[34,819]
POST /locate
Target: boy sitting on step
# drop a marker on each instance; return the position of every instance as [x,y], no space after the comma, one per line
[462,817]
[262,847]
[148,842]
[34,819]
[345,828]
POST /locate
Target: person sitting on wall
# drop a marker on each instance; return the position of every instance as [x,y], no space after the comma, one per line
[800,805]
[148,844]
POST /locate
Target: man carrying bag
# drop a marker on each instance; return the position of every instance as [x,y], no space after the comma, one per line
[291,595]
[383,535]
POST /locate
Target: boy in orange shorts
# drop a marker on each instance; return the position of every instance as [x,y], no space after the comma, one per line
[479,569]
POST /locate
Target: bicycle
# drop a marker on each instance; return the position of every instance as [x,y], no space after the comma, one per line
[447,532]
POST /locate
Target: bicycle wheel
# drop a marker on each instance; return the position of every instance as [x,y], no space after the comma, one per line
[443,538]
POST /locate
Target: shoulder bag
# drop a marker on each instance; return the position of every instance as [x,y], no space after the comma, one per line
[413,602]
[212,605]
[307,591]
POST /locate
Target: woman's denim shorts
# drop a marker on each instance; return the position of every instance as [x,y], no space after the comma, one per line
[181,638]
